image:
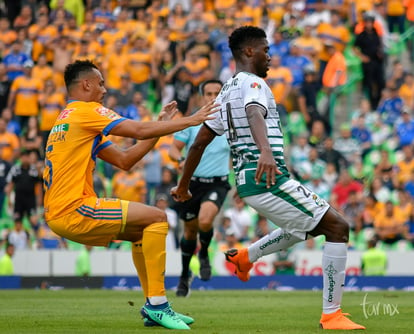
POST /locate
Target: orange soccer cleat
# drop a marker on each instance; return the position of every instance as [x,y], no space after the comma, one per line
[338,320]
[240,258]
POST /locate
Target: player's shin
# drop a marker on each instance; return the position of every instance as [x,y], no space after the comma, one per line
[153,247]
[139,263]
[333,264]
[274,242]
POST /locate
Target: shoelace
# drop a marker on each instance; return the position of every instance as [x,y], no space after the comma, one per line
[170,312]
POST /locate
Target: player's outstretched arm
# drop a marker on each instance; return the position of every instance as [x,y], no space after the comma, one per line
[266,164]
[147,130]
[180,193]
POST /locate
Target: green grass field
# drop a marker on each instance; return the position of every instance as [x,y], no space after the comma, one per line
[238,312]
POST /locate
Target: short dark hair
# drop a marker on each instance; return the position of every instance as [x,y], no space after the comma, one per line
[74,70]
[242,36]
[205,83]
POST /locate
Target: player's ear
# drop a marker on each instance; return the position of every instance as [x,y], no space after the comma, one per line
[86,85]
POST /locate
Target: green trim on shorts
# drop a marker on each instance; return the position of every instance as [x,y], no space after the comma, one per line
[285,196]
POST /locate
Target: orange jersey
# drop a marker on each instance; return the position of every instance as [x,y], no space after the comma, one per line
[9,143]
[279,79]
[42,73]
[138,65]
[8,37]
[50,110]
[71,150]
[406,92]
[129,186]
[339,35]
[395,7]
[197,70]
[115,67]
[335,71]
[27,95]
[409,5]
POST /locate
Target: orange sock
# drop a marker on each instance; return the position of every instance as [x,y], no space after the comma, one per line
[139,263]
[153,248]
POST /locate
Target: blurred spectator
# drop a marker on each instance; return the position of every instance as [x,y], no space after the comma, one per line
[284,262]
[364,110]
[114,67]
[239,218]
[334,31]
[389,225]
[313,167]
[405,166]
[4,87]
[102,13]
[369,48]
[136,109]
[317,135]
[31,139]
[25,95]
[307,96]
[14,61]
[297,63]
[331,175]
[346,144]
[25,182]
[18,236]
[396,16]
[385,170]
[406,92]
[379,190]
[279,79]
[7,35]
[42,34]
[74,8]
[262,227]
[279,46]
[124,95]
[24,19]
[373,260]
[290,28]
[42,70]
[330,155]
[310,44]
[390,106]
[299,152]
[83,262]
[405,129]
[342,189]
[352,211]
[51,102]
[396,74]
[139,65]
[168,181]
[363,136]
[319,186]
[9,143]
[152,172]
[129,185]
[6,263]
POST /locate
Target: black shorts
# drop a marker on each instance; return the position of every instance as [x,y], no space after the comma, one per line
[24,207]
[203,189]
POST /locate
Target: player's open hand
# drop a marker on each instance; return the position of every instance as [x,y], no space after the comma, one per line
[205,113]
[168,111]
[267,165]
[180,195]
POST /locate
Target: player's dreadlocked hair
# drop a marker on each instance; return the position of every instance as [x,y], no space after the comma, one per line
[74,70]
[242,36]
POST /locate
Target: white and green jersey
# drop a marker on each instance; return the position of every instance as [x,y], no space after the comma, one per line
[237,93]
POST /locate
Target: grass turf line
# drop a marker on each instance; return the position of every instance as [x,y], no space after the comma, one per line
[216,312]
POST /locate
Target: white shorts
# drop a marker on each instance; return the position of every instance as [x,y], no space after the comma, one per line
[292,206]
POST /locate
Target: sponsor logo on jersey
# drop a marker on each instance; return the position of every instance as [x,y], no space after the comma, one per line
[107,113]
[58,133]
[65,113]
[255,85]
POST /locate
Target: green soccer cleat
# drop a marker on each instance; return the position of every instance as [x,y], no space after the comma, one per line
[151,323]
[164,317]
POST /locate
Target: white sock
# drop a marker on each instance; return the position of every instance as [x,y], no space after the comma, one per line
[333,265]
[157,300]
[273,242]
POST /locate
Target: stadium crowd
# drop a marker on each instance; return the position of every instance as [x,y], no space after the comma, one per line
[359,158]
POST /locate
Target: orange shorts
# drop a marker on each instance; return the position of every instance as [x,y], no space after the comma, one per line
[96,222]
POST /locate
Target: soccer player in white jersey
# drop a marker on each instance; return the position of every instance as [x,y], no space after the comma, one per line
[250,122]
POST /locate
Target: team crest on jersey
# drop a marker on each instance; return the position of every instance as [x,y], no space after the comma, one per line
[107,113]
[255,85]
[319,201]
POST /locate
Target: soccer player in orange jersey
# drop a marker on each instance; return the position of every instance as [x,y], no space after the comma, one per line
[73,210]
